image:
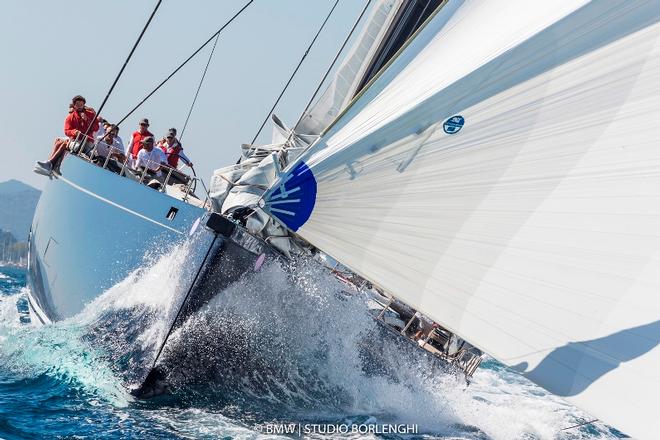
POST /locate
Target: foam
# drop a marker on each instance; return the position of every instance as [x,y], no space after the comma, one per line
[286,343]
[298,346]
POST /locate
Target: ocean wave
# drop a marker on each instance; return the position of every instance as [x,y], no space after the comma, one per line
[30,353]
[287,343]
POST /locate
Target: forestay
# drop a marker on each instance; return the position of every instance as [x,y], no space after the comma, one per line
[503,176]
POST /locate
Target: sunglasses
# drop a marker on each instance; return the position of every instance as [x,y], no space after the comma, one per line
[144,125]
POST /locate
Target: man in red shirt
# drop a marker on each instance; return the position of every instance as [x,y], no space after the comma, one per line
[80,120]
[138,136]
[173,149]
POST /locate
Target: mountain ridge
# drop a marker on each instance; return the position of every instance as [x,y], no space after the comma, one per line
[18,200]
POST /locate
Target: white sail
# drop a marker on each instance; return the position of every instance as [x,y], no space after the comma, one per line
[503,177]
[346,80]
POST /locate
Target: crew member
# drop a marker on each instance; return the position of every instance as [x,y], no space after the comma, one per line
[81,119]
[138,136]
[173,149]
[149,157]
[110,144]
[115,133]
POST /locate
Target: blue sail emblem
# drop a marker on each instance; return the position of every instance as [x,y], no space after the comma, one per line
[454,124]
[292,199]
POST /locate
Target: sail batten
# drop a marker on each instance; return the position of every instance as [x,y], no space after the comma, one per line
[506,183]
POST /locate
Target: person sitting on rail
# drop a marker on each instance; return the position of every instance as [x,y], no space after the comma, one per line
[103,126]
[108,127]
[138,136]
[81,119]
[115,133]
[173,149]
[149,158]
[110,145]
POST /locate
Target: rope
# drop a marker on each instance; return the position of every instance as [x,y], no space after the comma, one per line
[186,61]
[332,65]
[199,87]
[579,425]
[294,72]
[121,71]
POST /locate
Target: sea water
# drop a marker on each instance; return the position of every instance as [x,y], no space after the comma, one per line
[285,352]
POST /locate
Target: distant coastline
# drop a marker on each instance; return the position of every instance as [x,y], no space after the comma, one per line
[15,222]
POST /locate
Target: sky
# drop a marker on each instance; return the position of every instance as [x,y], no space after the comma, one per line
[52,51]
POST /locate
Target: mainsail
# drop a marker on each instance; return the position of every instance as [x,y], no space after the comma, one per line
[502,175]
[345,83]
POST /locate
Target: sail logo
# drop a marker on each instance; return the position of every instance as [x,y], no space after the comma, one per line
[454,124]
[292,199]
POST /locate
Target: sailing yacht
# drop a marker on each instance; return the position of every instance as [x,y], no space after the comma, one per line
[489,165]
[98,220]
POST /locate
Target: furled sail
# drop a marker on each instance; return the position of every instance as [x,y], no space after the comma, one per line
[502,175]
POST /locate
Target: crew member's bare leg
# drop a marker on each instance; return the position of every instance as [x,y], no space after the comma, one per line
[52,164]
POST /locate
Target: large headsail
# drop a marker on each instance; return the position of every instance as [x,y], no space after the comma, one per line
[503,176]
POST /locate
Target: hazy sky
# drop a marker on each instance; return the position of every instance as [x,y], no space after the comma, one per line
[52,51]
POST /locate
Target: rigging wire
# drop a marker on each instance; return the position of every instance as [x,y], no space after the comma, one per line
[121,71]
[579,425]
[294,72]
[341,49]
[378,74]
[199,87]
[186,61]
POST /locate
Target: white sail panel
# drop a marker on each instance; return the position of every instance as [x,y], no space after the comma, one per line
[454,50]
[349,74]
[517,201]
